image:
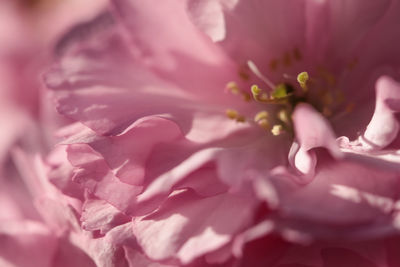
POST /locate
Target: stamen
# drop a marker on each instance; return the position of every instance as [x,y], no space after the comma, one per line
[234,115]
[257,72]
[302,78]
[261,119]
[231,114]
[261,115]
[283,115]
[277,129]
[232,87]
[258,93]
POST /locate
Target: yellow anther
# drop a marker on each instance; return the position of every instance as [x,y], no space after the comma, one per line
[283,116]
[302,79]
[233,88]
[261,118]
[258,93]
[261,115]
[232,114]
[297,54]
[273,64]
[287,60]
[277,129]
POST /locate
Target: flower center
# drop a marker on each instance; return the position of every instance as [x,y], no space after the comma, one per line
[276,102]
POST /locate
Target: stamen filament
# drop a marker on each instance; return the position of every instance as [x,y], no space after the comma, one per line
[257,72]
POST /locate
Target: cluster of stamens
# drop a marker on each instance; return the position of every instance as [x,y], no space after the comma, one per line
[285,97]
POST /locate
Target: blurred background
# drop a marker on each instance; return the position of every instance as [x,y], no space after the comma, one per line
[29,30]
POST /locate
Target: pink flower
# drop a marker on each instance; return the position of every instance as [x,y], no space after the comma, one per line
[38,225]
[212,126]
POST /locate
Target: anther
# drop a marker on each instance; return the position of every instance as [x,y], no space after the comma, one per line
[284,116]
[234,115]
[277,129]
[261,115]
[231,114]
[302,79]
[258,93]
[233,88]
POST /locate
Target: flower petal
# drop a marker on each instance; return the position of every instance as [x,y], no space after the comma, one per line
[187,227]
[346,199]
[312,131]
[384,126]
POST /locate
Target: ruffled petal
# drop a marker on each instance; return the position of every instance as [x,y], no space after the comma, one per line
[26,244]
[187,226]
[384,126]
[312,131]
[346,199]
[93,80]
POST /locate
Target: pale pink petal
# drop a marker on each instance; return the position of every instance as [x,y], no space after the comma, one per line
[179,45]
[186,226]
[95,175]
[384,126]
[100,215]
[26,244]
[346,199]
[312,131]
[94,82]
